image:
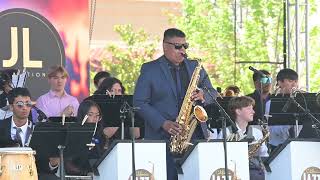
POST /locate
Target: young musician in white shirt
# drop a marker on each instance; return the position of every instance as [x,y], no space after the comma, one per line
[241,111]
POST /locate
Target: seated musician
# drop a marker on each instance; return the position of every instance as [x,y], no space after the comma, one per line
[232,90]
[16,130]
[79,163]
[57,101]
[288,82]
[241,110]
[99,77]
[113,86]
[5,87]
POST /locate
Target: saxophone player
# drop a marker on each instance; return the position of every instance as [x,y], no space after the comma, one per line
[241,111]
[161,88]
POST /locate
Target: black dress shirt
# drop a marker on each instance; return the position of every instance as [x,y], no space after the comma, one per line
[259,107]
[184,78]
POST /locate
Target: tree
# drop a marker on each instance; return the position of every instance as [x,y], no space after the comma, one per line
[210,30]
[125,61]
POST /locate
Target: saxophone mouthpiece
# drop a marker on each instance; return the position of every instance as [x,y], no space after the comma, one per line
[185,55]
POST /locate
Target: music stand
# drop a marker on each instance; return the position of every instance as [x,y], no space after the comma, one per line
[286,110]
[58,119]
[51,139]
[214,114]
[118,111]
[113,114]
[224,118]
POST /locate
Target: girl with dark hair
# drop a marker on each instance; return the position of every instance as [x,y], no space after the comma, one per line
[91,109]
[111,86]
[79,165]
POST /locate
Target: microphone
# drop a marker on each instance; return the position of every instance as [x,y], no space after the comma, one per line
[287,105]
[42,116]
[257,71]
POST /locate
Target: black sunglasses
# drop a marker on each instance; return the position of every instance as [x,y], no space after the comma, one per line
[179,46]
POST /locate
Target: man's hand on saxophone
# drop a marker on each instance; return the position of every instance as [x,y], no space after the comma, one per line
[198,95]
[171,127]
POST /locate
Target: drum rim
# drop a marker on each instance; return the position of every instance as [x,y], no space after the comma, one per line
[17,152]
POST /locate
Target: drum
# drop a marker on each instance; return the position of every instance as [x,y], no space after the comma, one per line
[17,163]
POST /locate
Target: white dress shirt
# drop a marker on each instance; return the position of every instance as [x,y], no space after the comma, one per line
[278,133]
[23,132]
[256,133]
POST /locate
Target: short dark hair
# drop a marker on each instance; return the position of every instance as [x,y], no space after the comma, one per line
[15,92]
[256,76]
[287,74]
[84,108]
[4,79]
[100,75]
[234,88]
[107,85]
[173,32]
[238,103]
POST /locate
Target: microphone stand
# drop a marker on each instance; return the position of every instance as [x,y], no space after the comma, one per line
[131,111]
[122,118]
[262,105]
[306,111]
[61,168]
[224,119]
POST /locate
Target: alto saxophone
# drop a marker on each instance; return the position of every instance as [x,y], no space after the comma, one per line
[188,117]
[254,148]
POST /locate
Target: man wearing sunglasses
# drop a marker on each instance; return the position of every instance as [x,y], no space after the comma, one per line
[161,88]
[261,94]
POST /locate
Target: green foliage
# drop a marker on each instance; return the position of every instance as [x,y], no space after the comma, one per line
[210,31]
[314,57]
[125,61]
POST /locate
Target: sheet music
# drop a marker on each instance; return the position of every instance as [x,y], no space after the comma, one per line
[18,79]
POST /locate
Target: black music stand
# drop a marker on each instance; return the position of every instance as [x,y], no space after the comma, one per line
[58,119]
[113,114]
[56,140]
[118,111]
[224,118]
[286,110]
[214,113]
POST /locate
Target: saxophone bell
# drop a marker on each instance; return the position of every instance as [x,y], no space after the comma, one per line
[200,113]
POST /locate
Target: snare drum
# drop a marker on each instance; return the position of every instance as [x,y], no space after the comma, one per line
[17,163]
